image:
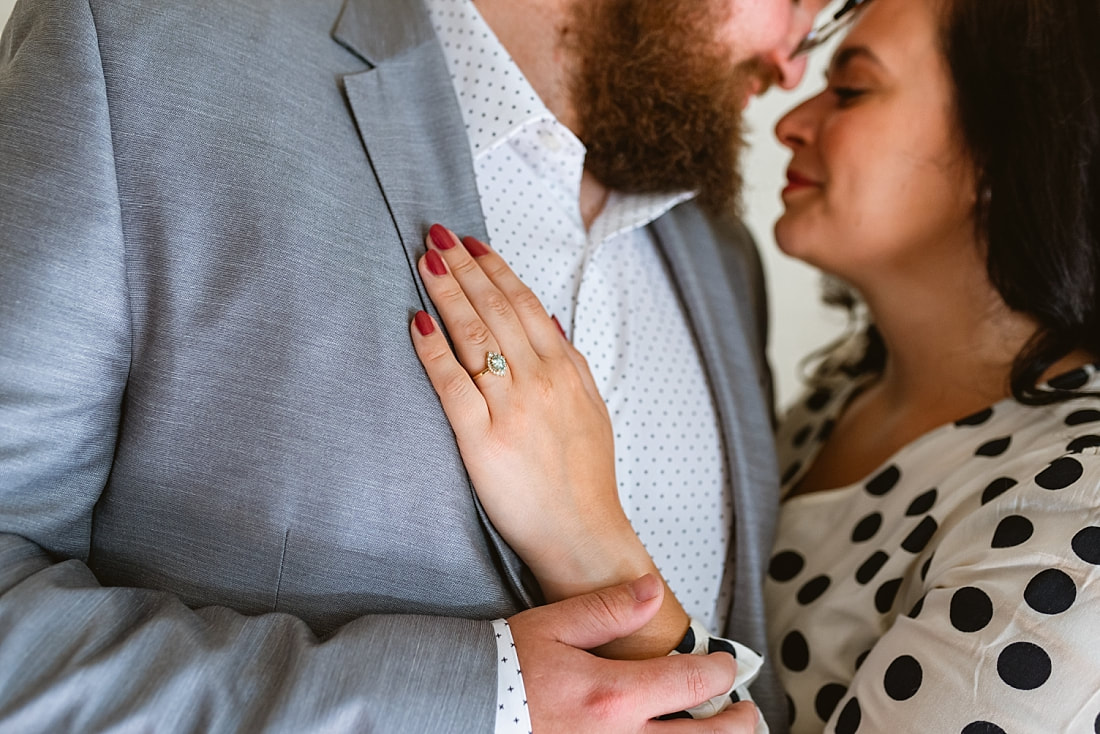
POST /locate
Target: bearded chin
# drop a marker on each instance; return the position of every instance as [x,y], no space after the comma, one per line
[658,101]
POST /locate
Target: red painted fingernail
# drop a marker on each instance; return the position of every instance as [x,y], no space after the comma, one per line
[424,323]
[436,264]
[558,324]
[441,237]
[475,247]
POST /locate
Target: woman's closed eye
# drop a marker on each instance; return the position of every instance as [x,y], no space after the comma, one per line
[846,95]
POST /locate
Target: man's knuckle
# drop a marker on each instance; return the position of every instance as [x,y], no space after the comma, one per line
[697,683]
[603,606]
[604,704]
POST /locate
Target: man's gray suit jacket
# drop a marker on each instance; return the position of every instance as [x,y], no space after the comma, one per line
[229,498]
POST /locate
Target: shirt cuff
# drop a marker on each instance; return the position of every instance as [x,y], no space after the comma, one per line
[512,716]
[699,641]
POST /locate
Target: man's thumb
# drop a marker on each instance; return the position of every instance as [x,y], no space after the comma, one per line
[595,619]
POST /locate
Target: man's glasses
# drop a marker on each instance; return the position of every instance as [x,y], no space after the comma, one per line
[841,19]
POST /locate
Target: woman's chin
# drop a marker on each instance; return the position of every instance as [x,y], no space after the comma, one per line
[787,237]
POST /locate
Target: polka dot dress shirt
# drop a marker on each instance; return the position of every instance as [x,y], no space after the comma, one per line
[956,588]
[610,289]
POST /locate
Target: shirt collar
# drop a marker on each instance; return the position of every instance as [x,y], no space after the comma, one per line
[499,105]
[495,97]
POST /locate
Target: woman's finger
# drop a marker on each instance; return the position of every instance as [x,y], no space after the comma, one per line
[541,331]
[491,305]
[462,401]
[581,365]
[474,342]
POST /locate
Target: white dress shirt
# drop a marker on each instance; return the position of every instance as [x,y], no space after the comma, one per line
[610,288]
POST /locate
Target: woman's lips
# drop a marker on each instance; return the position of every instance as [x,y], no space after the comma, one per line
[797,181]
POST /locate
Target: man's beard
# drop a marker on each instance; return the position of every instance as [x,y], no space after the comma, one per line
[657,98]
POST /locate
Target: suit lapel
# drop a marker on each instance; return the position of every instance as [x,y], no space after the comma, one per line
[415,140]
[408,118]
[720,309]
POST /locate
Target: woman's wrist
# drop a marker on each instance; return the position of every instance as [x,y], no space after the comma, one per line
[606,554]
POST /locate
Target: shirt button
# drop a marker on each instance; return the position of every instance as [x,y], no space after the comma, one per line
[550,140]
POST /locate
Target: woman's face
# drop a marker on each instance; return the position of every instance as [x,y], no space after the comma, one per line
[878,183]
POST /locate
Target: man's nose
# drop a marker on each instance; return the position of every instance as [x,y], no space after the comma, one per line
[789,72]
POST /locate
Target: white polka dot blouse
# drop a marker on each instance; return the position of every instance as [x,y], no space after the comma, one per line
[956,588]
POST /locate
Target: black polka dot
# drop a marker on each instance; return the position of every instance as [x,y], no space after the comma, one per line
[813,589]
[971,609]
[1070,380]
[915,611]
[786,565]
[1082,416]
[996,447]
[717,644]
[916,541]
[819,399]
[996,488]
[903,678]
[1083,443]
[791,473]
[687,645]
[1096,724]
[849,719]
[975,419]
[982,727]
[886,594]
[871,566]
[826,430]
[1050,592]
[884,481]
[791,712]
[1086,544]
[1060,474]
[862,656]
[867,527]
[922,504]
[827,698]
[734,697]
[794,652]
[802,436]
[672,716]
[925,566]
[1024,666]
[1012,531]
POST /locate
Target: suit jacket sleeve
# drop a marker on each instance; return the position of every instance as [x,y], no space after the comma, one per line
[75,655]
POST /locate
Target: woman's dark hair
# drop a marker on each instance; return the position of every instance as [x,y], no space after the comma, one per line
[1027,94]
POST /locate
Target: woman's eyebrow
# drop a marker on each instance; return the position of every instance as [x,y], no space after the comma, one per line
[848,54]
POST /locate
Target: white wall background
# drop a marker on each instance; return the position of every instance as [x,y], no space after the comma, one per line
[799,323]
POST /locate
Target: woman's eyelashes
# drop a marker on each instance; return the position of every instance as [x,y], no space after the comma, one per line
[846,95]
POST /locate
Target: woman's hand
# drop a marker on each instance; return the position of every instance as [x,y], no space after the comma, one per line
[536,439]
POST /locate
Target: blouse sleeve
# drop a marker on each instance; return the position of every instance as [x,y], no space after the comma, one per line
[699,641]
[1004,637]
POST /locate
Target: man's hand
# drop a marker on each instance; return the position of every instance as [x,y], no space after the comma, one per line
[572,690]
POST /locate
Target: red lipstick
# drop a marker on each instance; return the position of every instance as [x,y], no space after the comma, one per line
[797,181]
